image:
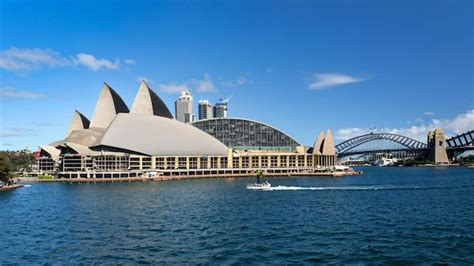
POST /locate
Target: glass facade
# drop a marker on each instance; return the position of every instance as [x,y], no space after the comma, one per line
[242,134]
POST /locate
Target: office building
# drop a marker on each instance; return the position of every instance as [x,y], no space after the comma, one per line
[184,107]
[205,110]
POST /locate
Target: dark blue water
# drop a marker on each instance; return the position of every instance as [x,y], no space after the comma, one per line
[387,215]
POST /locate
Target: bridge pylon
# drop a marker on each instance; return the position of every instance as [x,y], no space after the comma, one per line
[437,147]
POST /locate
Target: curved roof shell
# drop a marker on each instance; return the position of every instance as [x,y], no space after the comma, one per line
[79,121]
[52,151]
[108,106]
[147,102]
[85,137]
[317,148]
[156,135]
[328,144]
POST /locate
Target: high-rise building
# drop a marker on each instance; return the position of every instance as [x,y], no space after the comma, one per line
[184,107]
[220,109]
[205,110]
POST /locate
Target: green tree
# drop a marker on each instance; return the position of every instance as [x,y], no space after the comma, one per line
[5,169]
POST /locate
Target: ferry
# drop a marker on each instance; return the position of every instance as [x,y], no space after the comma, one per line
[386,162]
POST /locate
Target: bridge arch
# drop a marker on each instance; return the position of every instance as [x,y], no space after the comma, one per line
[407,142]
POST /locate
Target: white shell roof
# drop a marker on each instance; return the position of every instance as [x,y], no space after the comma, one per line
[156,135]
[328,146]
[147,102]
[52,151]
[79,121]
[108,105]
[317,144]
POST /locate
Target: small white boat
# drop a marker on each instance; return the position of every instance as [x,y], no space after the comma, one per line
[261,186]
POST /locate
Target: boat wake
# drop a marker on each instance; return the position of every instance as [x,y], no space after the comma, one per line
[282,188]
[27,186]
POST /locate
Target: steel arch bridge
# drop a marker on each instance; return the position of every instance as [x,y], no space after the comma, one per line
[462,140]
[411,144]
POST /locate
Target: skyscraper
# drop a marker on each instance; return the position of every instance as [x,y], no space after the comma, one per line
[205,110]
[220,109]
[184,107]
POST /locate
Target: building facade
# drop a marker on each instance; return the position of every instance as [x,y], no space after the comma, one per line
[245,134]
[147,139]
[205,110]
[184,107]
[220,108]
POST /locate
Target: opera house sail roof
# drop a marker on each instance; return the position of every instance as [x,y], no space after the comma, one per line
[108,105]
[149,129]
[155,135]
[79,121]
[147,102]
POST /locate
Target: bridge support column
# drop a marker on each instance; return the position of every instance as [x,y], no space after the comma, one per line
[436,146]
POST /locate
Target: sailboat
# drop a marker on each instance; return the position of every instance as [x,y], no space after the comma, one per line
[258,184]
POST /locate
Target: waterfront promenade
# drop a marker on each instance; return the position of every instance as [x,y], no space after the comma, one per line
[185,177]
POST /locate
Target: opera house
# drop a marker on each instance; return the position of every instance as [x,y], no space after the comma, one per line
[146,139]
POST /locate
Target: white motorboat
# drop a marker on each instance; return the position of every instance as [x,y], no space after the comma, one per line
[261,186]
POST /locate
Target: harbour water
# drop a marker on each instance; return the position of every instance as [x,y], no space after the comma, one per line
[388,215]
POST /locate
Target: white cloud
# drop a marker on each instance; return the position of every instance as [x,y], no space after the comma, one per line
[235,83]
[18,60]
[16,132]
[15,59]
[173,88]
[325,80]
[94,64]
[129,61]
[428,113]
[205,85]
[460,124]
[14,93]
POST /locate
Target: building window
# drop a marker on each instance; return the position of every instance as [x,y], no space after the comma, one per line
[203,162]
[309,160]
[181,162]
[245,162]
[235,162]
[254,162]
[283,161]
[214,163]
[193,163]
[292,161]
[300,160]
[146,162]
[273,161]
[160,163]
[170,163]
[223,162]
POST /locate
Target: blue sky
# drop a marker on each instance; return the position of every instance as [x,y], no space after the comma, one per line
[302,66]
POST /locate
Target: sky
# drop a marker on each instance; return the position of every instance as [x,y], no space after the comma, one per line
[302,66]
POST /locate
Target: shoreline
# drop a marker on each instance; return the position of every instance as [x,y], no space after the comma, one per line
[168,178]
[11,187]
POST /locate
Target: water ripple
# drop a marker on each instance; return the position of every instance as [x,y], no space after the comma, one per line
[391,215]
